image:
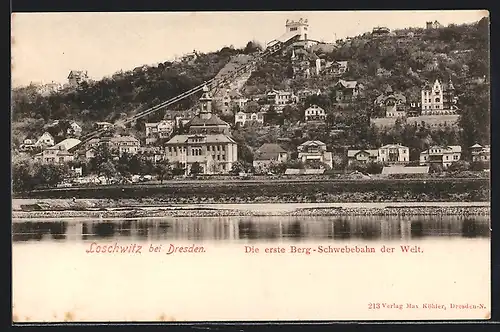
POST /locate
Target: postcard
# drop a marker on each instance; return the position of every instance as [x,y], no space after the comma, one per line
[250,166]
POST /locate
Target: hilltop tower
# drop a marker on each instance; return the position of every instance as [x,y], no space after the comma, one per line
[301,26]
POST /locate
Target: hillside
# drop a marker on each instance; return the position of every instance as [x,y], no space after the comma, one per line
[124,93]
[405,60]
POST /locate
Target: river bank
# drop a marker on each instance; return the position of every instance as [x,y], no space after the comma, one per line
[282,191]
[103,209]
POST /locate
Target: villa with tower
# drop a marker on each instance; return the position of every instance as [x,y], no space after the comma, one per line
[208,142]
[439,99]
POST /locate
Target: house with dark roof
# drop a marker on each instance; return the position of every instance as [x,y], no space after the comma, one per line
[281,98]
[393,103]
[362,156]
[347,91]
[441,155]
[335,68]
[56,154]
[304,93]
[391,154]
[208,142]
[118,145]
[45,140]
[268,154]
[315,151]
[158,130]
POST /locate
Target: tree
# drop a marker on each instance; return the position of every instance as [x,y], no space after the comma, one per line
[196,168]
[252,47]
[374,168]
[278,168]
[459,166]
[241,167]
[123,165]
[22,176]
[272,117]
[292,114]
[245,154]
[295,163]
[252,106]
[107,169]
[478,166]
[102,155]
[50,175]
[164,170]
[316,164]
[357,166]
[436,168]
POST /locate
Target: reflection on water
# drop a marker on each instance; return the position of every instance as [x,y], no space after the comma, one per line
[255,228]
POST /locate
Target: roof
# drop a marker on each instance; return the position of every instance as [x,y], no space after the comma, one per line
[307,143]
[271,147]
[280,92]
[405,170]
[476,146]
[63,153]
[210,138]
[76,73]
[315,107]
[214,120]
[47,133]
[348,84]
[284,37]
[124,139]
[69,143]
[393,146]
[353,153]
[450,148]
[383,97]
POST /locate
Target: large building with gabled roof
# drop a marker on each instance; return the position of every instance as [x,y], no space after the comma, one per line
[208,142]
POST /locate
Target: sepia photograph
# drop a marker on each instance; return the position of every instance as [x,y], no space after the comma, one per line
[250,166]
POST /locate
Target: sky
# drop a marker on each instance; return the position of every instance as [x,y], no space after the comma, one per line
[46,46]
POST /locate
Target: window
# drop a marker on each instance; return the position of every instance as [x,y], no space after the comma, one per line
[293,29]
[446,157]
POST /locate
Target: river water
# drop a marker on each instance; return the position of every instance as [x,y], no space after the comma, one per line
[127,270]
